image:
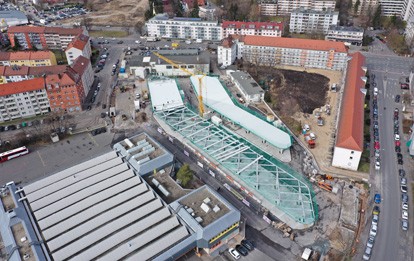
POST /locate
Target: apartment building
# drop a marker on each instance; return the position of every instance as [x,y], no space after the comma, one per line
[23,99]
[365,6]
[29,37]
[80,46]
[392,7]
[27,58]
[408,10]
[348,34]
[285,7]
[409,31]
[227,51]
[65,92]
[184,28]
[311,21]
[82,68]
[271,51]
[274,29]
[268,7]
[17,73]
[349,143]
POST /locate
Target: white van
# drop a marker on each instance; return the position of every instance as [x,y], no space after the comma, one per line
[199,41]
[375,91]
[188,41]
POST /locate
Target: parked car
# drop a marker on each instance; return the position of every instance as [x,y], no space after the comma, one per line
[242,250]
[248,244]
[397,149]
[400,162]
[377,145]
[404,197]
[233,252]
[404,225]
[370,242]
[404,188]
[403,181]
[375,219]
[397,137]
[376,210]
[373,231]
[367,253]
[397,98]
[401,172]
[404,214]
[377,198]
[404,206]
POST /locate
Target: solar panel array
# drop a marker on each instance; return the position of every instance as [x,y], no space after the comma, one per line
[101,209]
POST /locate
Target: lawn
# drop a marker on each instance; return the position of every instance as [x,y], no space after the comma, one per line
[364,167]
[60,57]
[116,34]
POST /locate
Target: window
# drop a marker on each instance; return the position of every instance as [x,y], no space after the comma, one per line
[352,152]
[350,158]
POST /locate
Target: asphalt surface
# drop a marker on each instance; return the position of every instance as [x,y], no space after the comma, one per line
[391,242]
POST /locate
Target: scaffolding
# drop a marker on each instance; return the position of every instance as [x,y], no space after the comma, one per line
[280,185]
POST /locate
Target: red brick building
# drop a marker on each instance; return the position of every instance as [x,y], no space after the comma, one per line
[64,92]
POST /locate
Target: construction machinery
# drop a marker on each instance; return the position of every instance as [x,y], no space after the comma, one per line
[200,78]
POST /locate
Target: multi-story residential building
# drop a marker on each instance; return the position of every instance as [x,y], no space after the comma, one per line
[82,68]
[273,51]
[408,10]
[80,46]
[23,99]
[20,73]
[30,37]
[349,142]
[65,92]
[227,51]
[252,28]
[311,21]
[285,7]
[184,28]
[409,31]
[268,7]
[392,7]
[365,7]
[27,58]
[348,34]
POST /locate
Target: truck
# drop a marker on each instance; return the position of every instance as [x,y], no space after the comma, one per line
[152,39]
[123,66]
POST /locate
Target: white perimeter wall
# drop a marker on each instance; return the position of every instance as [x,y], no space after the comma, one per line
[344,158]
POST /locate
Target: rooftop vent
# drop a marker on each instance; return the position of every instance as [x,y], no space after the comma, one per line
[205,207]
[207,200]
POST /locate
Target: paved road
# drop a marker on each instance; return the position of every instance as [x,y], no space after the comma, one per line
[391,242]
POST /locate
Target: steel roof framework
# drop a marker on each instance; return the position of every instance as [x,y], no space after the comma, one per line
[275,181]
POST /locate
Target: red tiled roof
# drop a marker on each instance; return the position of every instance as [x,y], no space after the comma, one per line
[16,70]
[15,56]
[62,79]
[294,43]
[23,86]
[41,70]
[351,121]
[26,29]
[2,70]
[4,56]
[252,25]
[227,42]
[40,55]
[79,42]
[80,65]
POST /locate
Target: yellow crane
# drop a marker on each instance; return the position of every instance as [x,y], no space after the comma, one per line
[176,65]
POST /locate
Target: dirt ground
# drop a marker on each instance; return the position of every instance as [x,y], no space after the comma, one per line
[115,13]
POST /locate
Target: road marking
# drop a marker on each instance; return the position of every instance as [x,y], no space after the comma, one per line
[41,159]
[93,139]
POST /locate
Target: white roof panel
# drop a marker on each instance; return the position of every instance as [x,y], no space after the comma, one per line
[154,248]
[69,171]
[72,185]
[104,231]
[98,221]
[164,94]
[101,208]
[216,97]
[81,205]
[80,195]
[140,240]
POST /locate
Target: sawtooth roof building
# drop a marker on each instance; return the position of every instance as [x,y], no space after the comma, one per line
[103,209]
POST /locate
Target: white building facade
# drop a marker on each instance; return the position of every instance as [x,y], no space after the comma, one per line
[23,99]
[268,7]
[392,7]
[348,34]
[252,28]
[311,21]
[227,52]
[183,28]
[268,51]
[285,7]
[78,47]
[409,31]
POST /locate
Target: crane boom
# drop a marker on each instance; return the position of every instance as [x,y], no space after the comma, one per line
[200,96]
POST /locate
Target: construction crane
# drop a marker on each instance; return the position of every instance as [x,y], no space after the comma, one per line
[200,78]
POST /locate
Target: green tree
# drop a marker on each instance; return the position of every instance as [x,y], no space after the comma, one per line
[233,11]
[185,174]
[196,9]
[267,97]
[17,45]
[376,21]
[356,6]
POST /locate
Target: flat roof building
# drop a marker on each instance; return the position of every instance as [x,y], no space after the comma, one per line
[12,18]
[165,94]
[249,88]
[103,209]
[348,34]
